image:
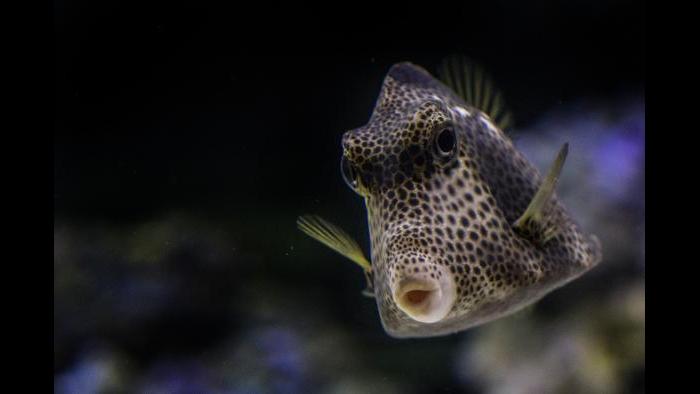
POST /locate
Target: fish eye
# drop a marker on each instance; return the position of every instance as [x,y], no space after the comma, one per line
[349,173]
[445,142]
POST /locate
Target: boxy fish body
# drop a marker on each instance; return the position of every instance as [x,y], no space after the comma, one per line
[463,228]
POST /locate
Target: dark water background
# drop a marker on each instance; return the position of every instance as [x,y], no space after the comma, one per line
[188,138]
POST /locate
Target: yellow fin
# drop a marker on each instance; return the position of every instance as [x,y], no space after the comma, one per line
[473,85]
[333,237]
[532,221]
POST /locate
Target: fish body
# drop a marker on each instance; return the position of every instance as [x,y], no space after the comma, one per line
[463,228]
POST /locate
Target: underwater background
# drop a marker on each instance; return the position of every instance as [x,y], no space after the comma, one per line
[189,137]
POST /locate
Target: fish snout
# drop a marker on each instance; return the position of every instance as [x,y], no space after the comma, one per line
[426,294]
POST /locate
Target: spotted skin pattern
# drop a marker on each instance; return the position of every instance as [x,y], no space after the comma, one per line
[451,217]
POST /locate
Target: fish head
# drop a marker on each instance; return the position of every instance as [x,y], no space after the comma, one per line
[442,186]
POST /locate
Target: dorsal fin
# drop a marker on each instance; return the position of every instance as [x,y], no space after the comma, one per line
[469,81]
[533,222]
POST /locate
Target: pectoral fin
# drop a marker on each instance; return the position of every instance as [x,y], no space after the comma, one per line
[369,291]
[337,239]
[533,223]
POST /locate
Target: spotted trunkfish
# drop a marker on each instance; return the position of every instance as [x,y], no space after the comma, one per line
[463,228]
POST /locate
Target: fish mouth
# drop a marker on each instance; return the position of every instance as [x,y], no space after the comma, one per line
[425,299]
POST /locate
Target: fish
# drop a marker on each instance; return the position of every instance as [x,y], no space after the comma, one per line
[463,229]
